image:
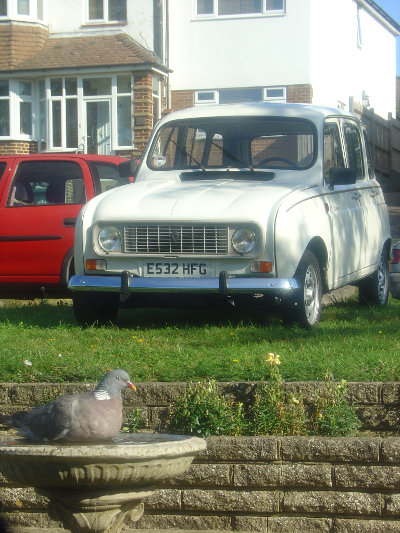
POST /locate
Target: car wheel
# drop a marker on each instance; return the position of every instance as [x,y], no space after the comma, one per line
[94,307]
[374,290]
[304,306]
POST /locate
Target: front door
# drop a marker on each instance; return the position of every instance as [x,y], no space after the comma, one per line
[98,127]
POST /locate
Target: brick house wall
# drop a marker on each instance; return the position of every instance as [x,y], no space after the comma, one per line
[18,147]
[300,94]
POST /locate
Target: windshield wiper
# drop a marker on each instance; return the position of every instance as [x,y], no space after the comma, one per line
[186,154]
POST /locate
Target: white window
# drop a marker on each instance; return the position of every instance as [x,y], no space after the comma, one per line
[106,11]
[4,109]
[25,108]
[274,94]
[227,8]
[240,95]
[22,9]
[206,97]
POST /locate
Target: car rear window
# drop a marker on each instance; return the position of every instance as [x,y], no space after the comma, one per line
[106,176]
[47,183]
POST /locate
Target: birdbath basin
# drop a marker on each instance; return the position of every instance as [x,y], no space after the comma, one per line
[98,487]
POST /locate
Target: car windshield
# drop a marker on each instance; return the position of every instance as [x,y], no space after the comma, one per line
[234,142]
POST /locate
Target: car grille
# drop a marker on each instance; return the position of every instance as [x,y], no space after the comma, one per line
[165,239]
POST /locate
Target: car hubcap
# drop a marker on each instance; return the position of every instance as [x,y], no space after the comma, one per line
[311,292]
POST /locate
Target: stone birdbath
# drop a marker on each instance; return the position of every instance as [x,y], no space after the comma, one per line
[98,487]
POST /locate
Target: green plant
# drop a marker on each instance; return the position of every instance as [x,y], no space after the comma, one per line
[133,421]
[275,412]
[202,411]
[333,415]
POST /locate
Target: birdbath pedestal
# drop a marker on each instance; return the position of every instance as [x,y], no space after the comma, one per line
[98,487]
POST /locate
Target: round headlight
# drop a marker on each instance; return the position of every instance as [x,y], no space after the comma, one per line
[244,241]
[110,238]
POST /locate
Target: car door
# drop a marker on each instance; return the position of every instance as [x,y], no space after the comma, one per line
[38,211]
[375,212]
[344,208]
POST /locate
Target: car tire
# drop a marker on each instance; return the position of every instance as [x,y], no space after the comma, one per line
[374,290]
[95,308]
[304,305]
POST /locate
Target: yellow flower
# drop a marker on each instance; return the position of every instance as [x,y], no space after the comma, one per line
[140,340]
[295,401]
[231,333]
[235,360]
[273,359]
[18,503]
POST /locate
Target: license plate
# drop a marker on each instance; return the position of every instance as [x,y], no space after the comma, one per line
[171,270]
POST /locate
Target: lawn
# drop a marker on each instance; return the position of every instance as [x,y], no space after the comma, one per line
[41,342]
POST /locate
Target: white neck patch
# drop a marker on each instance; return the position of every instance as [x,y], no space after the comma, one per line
[101,394]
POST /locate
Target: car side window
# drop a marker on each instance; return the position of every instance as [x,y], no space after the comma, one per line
[370,162]
[333,154]
[2,168]
[47,183]
[106,176]
[352,139]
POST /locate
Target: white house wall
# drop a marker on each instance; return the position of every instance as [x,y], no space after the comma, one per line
[68,16]
[340,68]
[238,52]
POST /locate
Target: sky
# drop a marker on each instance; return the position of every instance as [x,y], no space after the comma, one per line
[392,8]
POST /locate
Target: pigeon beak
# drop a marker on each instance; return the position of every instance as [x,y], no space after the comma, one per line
[130,385]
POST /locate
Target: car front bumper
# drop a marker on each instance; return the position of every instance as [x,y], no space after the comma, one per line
[225,285]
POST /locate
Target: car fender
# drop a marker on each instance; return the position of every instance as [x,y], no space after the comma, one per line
[295,232]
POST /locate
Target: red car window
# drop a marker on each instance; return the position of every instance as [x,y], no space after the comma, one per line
[106,176]
[2,168]
[47,183]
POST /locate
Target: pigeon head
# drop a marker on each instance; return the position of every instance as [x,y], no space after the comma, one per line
[112,384]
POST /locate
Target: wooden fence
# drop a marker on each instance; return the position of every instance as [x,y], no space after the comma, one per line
[384,137]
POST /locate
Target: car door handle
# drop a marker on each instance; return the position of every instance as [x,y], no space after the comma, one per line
[69,222]
[356,195]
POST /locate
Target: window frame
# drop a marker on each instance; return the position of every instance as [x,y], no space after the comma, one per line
[12,11]
[105,19]
[215,15]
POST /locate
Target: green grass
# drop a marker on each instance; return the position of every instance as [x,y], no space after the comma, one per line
[352,342]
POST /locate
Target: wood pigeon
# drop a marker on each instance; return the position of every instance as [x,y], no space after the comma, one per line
[87,417]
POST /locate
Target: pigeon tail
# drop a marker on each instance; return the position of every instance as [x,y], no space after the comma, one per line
[6,420]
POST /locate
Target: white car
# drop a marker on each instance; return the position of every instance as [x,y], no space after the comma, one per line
[239,202]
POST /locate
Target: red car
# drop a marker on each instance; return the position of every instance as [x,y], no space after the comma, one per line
[40,198]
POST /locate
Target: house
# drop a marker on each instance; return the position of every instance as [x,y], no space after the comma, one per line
[94,75]
[83,75]
[329,52]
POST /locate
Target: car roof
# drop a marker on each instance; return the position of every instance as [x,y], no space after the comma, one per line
[65,156]
[305,111]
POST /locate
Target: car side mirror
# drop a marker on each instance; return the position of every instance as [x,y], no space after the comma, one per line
[342,176]
[129,168]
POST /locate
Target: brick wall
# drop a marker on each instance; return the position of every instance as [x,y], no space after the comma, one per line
[269,484]
[182,100]
[265,484]
[143,110]
[18,147]
[299,94]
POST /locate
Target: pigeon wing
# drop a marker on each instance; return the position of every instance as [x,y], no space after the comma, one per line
[48,422]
